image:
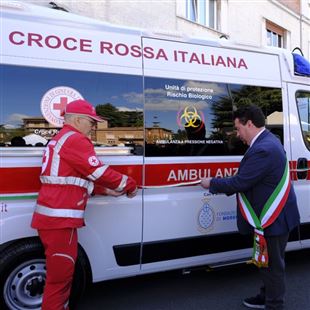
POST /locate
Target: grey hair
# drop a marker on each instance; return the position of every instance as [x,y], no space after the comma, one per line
[69,117]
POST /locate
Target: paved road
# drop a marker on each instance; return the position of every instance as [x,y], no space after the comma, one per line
[220,289]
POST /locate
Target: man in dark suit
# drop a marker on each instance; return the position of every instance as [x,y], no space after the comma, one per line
[266,202]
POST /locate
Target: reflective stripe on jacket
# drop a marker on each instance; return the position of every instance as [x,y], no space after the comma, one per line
[69,170]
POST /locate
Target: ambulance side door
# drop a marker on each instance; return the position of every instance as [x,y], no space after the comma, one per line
[299,136]
[184,225]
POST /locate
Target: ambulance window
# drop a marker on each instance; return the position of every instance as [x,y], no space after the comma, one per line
[270,101]
[194,118]
[186,118]
[32,99]
[303,106]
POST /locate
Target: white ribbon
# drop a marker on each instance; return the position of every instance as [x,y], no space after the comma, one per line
[171,185]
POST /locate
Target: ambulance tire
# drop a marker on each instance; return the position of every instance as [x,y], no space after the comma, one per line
[82,278]
[22,269]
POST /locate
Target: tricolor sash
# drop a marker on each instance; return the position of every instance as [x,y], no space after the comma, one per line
[270,212]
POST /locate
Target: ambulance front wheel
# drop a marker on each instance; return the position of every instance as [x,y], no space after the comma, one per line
[23,273]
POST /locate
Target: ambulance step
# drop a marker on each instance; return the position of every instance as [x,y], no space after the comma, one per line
[210,267]
[230,263]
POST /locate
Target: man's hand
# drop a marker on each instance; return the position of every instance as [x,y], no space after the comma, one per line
[112,192]
[205,182]
[133,193]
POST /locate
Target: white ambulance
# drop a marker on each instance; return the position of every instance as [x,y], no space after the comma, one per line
[168,105]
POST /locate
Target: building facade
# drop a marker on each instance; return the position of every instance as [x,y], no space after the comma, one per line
[281,23]
[102,135]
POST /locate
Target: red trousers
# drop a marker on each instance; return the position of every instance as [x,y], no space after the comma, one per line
[61,252]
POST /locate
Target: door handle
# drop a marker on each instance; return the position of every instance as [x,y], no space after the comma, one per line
[302,168]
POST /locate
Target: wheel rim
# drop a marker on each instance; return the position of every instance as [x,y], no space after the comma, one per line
[23,288]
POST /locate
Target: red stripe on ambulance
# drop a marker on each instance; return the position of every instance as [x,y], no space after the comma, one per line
[26,179]
[165,174]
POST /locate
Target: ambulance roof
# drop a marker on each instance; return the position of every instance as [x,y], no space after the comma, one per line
[29,12]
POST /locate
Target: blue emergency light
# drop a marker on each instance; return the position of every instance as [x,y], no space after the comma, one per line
[301,65]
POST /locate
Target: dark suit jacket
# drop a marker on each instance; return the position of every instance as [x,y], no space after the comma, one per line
[259,173]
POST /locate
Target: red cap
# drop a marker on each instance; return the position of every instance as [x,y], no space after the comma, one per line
[81,107]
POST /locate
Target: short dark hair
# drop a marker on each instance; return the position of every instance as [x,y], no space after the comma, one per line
[250,112]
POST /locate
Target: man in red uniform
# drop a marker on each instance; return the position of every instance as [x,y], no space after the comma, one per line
[71,171]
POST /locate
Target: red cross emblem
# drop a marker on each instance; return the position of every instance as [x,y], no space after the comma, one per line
[93,161]
[61,105]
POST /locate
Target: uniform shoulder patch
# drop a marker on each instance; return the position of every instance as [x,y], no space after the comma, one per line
[93,161]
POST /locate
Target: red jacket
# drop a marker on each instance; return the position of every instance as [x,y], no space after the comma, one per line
[69,171]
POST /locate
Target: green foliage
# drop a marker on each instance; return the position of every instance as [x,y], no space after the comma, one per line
[269,99]
[118,118]
[180,135]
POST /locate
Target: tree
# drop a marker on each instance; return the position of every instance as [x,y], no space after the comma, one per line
[118,118]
